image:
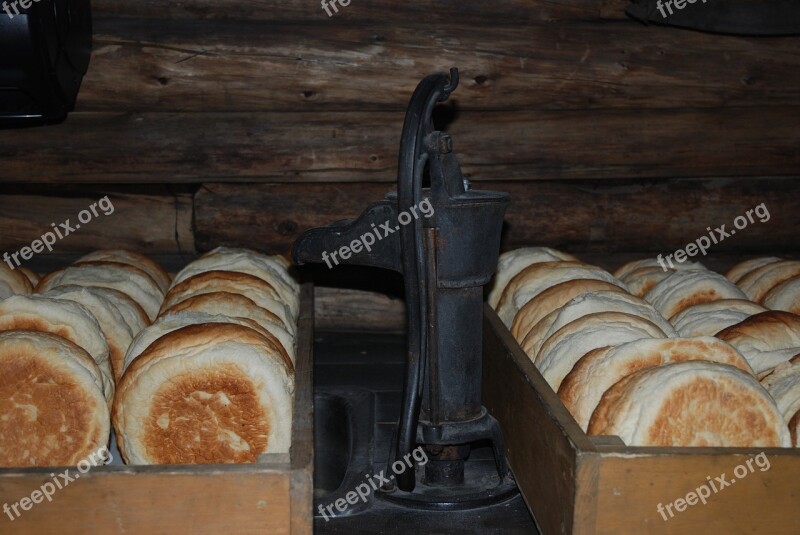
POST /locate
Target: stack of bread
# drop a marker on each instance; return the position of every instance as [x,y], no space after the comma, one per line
[212,379]
[60,352]
[639,354]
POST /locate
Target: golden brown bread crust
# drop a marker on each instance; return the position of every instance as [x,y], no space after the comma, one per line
[533,271]
[773,327]
[52,412]
[198,303]
[599,370]
[743,268]
[757,283]
[190,413]
[553,298]
[693,404]
[131,258]
[204,413]
[218,281]
[203,334]
[641,280]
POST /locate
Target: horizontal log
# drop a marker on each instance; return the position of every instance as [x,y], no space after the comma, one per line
[148,223]
[362,146]
[592,218]
[247,66]
[499,11]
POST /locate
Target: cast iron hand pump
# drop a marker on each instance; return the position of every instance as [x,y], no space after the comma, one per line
[446,258]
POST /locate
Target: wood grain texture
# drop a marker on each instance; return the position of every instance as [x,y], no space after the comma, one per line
[302,450]
[533,423]
[631,487]
[156,222]
[583,217]
[184,500]
[231,66]
[500,11]
[345,309]
[362,146]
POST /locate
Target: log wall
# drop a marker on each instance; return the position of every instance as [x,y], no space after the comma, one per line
[242,123]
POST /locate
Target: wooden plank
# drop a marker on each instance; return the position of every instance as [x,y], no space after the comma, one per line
[234,66]
[501,11]
[592,218]
[632,486]
[155,222]
[537,431]
[174,500]
[302,450]
[344,308]
[362,146]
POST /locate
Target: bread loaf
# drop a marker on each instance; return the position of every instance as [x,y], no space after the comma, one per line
[599,370]
[691,404]
[766,339]
[261,292]
[683,289]
[784,386]
[590,303]
[62,318]
[512,262]
[553,299]
[565,347]
[784,296]
[270,269]
[134,259]
[116,332]
[743,268]
[52,408]
[707,319]
[208,393]
[534,279]
[237,306]
[131,281]
[760,281]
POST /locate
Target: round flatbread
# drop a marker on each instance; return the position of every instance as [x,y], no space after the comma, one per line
[208,393]
[52,408]
[691,404]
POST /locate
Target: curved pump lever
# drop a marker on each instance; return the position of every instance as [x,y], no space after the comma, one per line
[418,124]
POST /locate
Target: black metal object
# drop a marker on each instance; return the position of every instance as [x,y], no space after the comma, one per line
[445,240]
[735,17]
[44,53]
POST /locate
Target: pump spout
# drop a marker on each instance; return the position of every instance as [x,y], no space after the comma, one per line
[370,240]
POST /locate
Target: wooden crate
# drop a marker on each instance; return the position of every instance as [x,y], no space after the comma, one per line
[574,483]
[274,495]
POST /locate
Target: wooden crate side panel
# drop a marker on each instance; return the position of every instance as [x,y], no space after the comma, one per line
[302,453]
[109,502]
[540,451]
[631,487]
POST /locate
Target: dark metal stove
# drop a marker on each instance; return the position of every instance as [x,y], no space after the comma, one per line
[444,239]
